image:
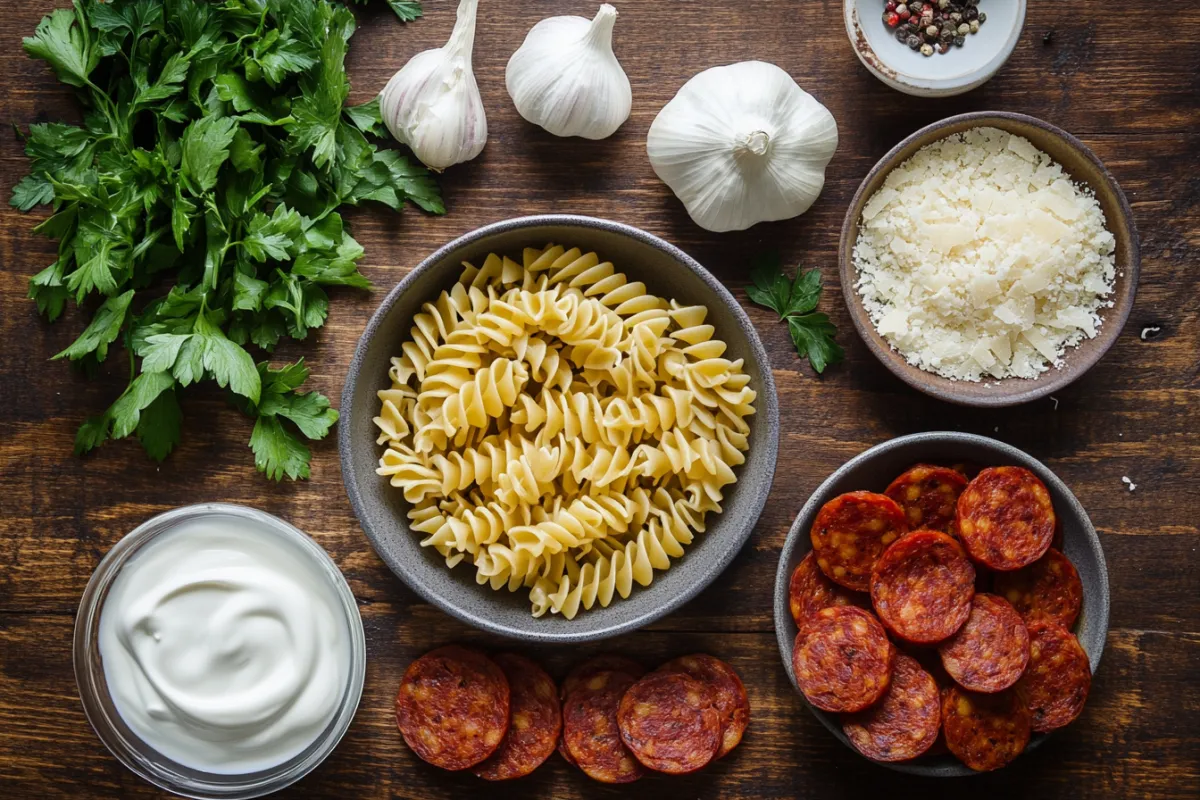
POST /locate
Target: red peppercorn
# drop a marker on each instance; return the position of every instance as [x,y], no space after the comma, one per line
[890,6]
[905,14]
[892,19]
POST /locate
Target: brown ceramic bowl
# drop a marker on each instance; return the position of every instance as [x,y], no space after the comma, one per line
[1085,168]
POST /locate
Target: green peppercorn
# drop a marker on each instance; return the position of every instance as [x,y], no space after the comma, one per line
[982,17]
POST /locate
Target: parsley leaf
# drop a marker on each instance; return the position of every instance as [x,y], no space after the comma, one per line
[102,331]
[795,302]
[160,427]
[406,10]
[64,45]
[205,145]
[772,289]
[277,451]
[813,336]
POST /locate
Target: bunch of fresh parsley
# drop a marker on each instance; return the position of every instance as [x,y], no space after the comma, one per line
[795,303]
[196,207]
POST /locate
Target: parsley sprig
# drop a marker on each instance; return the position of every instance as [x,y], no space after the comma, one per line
[196,208]
[795,302]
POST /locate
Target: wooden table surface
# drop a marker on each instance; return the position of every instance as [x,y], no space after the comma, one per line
[1125,79]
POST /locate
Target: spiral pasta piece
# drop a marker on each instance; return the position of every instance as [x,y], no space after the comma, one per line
[559,428]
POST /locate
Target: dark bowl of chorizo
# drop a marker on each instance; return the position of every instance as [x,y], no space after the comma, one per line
[941,604]
[502,717]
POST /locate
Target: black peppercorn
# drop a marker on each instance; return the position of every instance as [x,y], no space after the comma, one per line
[914,42]
[982,17]
[972,13]
[959,41]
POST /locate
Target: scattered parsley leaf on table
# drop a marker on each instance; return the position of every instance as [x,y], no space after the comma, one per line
[196,207]
[795,302]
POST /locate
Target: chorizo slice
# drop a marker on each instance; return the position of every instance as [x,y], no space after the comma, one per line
[810,590]
[535,721]
[1005,518]
[590,731]
[605,662]
[1055,686]
[905,723]
[729,694]
[990,651]
[843,660]
[670,722]
[984,731]
[851,531]
[922,587]
[1048,589]
[453,707]
[929,496]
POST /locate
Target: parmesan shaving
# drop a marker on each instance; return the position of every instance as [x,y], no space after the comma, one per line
[980,257]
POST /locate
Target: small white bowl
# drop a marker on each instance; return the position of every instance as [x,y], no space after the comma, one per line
[942,74]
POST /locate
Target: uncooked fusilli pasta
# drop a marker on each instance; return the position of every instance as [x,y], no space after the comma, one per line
[560,428]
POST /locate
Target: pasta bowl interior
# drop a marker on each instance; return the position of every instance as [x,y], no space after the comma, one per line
[581,480]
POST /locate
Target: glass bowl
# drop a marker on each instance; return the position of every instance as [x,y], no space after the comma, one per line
[142,759]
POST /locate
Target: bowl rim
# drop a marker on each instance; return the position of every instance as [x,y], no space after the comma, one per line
[925,87]
[137,755]
[797,536]
[768,406]
[944,388]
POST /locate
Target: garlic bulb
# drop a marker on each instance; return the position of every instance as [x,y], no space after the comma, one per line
[742,144]
[565,78]
[433,105]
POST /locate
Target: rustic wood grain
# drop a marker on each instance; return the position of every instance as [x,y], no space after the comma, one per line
[1125,80]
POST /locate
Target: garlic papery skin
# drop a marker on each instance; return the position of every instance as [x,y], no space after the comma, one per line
[433,105]
[566,79]
[742,144]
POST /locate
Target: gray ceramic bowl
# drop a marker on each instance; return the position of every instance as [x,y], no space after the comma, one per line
[667,271]
[1085,168]
[873,470]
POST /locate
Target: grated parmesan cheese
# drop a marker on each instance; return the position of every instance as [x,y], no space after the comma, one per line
[979,256]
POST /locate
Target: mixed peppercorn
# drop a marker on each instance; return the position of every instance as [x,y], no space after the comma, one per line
[926,25]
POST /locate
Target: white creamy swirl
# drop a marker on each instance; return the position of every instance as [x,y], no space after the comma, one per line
[224,646]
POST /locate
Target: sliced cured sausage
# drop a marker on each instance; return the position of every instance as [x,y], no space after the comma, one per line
[990,651]
[1048,589]
[1056,684]
[929,496]
[453,707]
[729,694]
[810,590]
[591,733]
[605,662]
[535,721]
[851,531]
[905,723]
[1005,518]
[984,731]
[843,660]
[922,587]
[670,722]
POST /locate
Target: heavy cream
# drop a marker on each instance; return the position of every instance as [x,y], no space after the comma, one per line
[225,646]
